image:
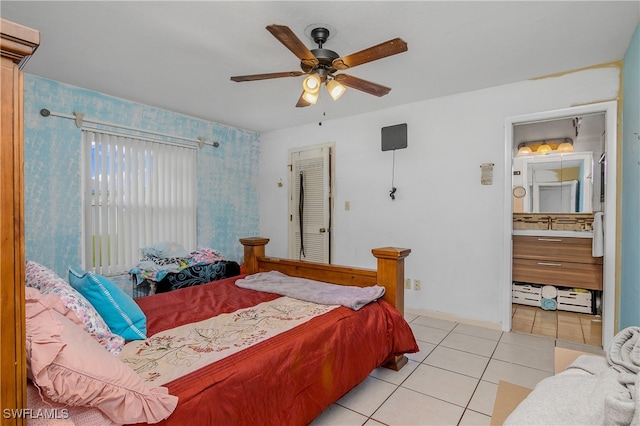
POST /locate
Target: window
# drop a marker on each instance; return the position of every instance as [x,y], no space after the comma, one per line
[137,192]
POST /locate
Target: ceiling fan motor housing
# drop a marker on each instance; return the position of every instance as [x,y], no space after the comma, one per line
[325,56]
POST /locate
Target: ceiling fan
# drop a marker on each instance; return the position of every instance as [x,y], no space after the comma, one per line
[321,65]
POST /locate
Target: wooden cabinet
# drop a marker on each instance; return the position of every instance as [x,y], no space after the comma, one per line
[17,44]
[559,261]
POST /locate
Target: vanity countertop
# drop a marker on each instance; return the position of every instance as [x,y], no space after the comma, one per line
[553,233]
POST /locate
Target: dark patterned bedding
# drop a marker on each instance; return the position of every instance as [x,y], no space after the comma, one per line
[198,274]
[156,274]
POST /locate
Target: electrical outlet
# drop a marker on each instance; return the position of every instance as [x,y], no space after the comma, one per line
[407,283]
[417,284]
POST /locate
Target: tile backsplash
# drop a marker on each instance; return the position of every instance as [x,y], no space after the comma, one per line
[556,221]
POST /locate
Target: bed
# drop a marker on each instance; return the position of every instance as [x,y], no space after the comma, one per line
[292,376]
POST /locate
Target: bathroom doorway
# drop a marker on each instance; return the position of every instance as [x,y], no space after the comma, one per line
[546,126]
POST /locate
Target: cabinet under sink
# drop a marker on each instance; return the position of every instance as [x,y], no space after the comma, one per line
[551,258]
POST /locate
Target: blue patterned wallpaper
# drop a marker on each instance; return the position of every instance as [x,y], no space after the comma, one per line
[228,193]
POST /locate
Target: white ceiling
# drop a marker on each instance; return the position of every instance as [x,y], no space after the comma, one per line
[179,55]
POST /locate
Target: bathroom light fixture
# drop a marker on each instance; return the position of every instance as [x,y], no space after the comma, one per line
[546,146]
[524,150]
[565,147]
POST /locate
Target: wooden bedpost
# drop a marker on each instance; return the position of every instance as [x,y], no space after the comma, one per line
[391,276]
[391,273]
[253,249]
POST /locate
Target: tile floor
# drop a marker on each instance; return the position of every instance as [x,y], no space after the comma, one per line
[570,326]
[451,381]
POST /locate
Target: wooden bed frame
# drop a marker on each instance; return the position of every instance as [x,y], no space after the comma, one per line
[389,274]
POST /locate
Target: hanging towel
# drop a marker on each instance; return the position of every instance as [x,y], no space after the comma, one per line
[597,248]
[549,292]
[549,304]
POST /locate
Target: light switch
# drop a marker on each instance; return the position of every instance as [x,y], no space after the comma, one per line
[347,205]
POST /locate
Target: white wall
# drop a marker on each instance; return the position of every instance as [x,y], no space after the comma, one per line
[453,224]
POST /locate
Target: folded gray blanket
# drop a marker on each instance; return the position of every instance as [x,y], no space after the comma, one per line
[592,391]
[310,290]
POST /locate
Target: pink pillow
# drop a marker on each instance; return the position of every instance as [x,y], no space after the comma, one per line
[52,301]
[73,369]
[48,282]
[71,416]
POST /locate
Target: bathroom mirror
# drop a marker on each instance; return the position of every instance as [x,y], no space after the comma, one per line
[554,183]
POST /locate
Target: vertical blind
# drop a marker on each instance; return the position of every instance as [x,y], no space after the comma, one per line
[137,192]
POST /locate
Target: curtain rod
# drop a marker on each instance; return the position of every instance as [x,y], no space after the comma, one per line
[79,119]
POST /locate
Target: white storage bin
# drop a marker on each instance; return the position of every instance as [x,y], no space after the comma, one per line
[575,301]
[526,294]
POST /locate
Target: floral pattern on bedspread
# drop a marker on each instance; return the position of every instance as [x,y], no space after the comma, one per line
[173,353]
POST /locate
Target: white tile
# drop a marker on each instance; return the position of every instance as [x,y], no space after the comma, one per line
[528,340]
[428,334]
[409,317]
[524,376]
[596,350]
[539,357]
[471,418]
[338,416]
[425,350]
[406,407]
[458,361]
[435,323]
[484,398]
[367,396]
[372,422]
[475,345]
[442,384]
[395,377]
[472,330]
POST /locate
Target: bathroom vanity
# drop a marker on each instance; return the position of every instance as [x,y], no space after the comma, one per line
[559,258]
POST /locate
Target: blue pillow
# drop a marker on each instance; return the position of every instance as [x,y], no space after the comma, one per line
[123,316]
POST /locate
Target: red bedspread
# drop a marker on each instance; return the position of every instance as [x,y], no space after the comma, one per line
[287,380]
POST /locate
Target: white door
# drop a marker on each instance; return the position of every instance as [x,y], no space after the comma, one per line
[310,204]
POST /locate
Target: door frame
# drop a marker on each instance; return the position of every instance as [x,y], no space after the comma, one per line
[609,303]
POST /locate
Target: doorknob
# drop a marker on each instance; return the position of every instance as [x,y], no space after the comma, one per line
[323,230]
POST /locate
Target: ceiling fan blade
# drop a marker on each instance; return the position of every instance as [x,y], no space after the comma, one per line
[293,43]
[363,85]
[302,102]
[382,50]
[254,77]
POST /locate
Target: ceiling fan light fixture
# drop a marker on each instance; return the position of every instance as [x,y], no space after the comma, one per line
[311,84]
[335,89]
[312,98]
